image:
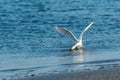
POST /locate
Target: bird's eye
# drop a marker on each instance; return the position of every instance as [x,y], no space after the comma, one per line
[77,47]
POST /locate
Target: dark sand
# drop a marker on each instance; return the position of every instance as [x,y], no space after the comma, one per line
[103,74]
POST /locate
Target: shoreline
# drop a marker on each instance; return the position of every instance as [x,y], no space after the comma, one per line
[101,74]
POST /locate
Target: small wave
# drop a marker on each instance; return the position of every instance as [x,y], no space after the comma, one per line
[93,62]
[64,65]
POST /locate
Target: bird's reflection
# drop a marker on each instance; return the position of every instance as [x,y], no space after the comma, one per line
[80,57]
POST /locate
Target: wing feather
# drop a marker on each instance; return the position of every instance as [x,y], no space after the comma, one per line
[85,30]
[67,32]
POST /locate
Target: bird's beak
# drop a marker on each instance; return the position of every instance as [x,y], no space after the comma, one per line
[71,50]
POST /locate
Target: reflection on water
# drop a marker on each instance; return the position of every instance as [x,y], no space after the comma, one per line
[78,58]
[82,56]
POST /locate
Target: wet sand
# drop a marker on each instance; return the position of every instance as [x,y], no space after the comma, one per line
[102,74]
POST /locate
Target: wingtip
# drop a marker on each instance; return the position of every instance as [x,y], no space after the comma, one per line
[56,27]
[92,22]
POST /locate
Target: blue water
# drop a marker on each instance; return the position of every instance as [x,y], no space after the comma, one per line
[30,44]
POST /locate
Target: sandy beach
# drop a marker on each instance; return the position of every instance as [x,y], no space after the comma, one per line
[102,74]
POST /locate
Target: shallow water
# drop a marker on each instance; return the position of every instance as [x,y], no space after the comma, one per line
[30,44]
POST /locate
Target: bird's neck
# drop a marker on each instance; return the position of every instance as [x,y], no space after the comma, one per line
[80,42]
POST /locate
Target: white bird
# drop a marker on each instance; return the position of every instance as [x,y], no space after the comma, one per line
[79,45]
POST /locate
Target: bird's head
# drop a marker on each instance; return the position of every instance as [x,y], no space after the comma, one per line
[77,47]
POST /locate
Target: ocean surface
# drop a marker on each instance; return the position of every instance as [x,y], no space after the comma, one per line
[30,45]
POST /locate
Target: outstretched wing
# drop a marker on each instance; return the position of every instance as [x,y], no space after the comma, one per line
[85,30]
[66,32]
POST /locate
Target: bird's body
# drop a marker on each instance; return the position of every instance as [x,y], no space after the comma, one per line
[79,45]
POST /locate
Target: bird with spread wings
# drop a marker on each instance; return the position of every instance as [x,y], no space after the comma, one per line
[79,45]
